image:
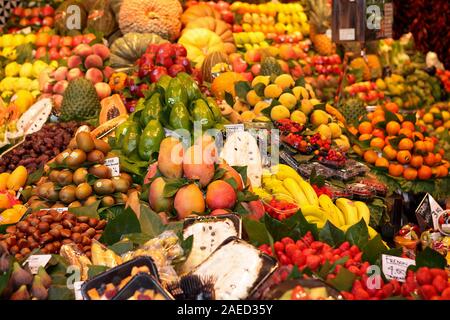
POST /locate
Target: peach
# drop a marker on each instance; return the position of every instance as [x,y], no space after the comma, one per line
[74,73]
[287,52]
[156,198]
[60,73]
[101,50]
[151,172]
[256,210]
[93,61]
[188,201]
[74,62]
[83,50]
[60,86]
[220,195]
[170,158]
[103,90]
[232,174]
[57,100]
[108,71]
[47,88]
[195,167]
[219,212]
[94,75]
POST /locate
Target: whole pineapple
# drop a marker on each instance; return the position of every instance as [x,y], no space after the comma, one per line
[319,22]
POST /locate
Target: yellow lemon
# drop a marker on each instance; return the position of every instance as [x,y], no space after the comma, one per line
[288,100]
[279,112]
[324,131]
[306,107]
[272,91]
[300,93]
[23,99]
[299,117]
[284,81]
[265,80]
[445,115]
[26,70]
[253,98]
[335,130]
[30,38]
[248,116]
[260,106]
[428,118]
[19,39]
[12,69]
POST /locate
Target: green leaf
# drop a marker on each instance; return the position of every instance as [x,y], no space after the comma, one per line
[124,223]
[259,89]
[89,211]
[304,226]
[176,227]
[186,244]
[300,82]
[60,292]
[295,273]
[173,185]
[324,270]
[96,270]
[219,173]
[151,224]
[246,196]
[229,98]
[316,179]
[122,247]
[279,230]
[343,281]
[242,88]
[242,170]
[331,234]
[390,116]
[137,238]
[303,158]
[110,213]
[35,176]
[358,234]
[256,231]
[373,250]
[431,259]
[232,183]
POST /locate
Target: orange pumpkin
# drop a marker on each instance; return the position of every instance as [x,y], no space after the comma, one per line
[221,28]
[225,83]
[199,11]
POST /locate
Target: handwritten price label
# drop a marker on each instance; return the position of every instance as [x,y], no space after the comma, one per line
[395,267]
[114,165]
[37,260]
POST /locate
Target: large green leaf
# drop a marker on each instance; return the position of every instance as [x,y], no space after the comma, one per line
[279,230]
[256,231]
[343,281]
[430,258]
[331,235]
[358,234]
[96,270]
[124,223]
[373,250]
[89,211]
[121,247]
[151,224]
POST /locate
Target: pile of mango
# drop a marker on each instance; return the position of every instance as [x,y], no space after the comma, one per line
[10,184]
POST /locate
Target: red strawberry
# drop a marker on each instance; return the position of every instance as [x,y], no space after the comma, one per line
[446,294]
[299,260]
[300,244]
[313,262]
[278,246]
[309,252]
[388,289]
[423,276]
[396,286]
[357,257]
[427,291]
[354,250]
[347,295]
[354,269]
[436,272]
[290,249]
[345,246]
[440,283]
[380,295]
[361,294]
[317,245]
[284,260]
[287,240]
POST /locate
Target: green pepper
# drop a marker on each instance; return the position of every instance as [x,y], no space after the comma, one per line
[152,110]
[179,117]
[131,139]
[150,139]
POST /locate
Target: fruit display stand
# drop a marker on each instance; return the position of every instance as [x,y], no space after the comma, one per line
[145,150]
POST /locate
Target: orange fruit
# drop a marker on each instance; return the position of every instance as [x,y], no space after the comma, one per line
[400,117]
[353,131]
[395,169]
[429,145]
[443,171]
[365,136]
[441,151]
[410,174]
[389,152]
[420,147]
[365,127]
[370,116]
[430,159]
[377,119]
[382,162]
[406,132]
[391,106]
[408,125]
[392,128]
[424,173]
[438,158]
[405,144]
[370,156]
[378,112]
[378,133]
[417,135]
[404,156]
[377,143]
[416,161]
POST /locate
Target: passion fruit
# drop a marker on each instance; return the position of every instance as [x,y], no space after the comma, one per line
[102,146]
[103,187]
[120,184]
[85,141]
[52,194]
[76,158]
[96,156]
[67,194]
[60,158]
[100,171]
[83,191]
[80,176]
[108,201]
[65,177]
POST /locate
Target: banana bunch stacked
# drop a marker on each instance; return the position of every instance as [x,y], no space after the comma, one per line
[284,183]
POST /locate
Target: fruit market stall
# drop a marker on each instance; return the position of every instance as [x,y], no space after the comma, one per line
[151,141]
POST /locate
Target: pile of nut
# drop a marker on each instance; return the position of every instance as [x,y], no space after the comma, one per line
[49,230]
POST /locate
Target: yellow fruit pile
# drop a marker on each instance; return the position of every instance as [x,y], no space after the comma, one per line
[10,183]
[9,42]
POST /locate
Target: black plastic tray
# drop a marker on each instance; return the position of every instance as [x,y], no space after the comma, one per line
[142,281]
[287,285]
[122,271]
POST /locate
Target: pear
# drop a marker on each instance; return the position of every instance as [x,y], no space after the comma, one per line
[45,278]
[21,294]
[38,289]
[20,276]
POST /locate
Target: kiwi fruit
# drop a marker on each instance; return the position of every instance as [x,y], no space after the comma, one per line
[53,176]
[52,194]
[85,141]
[42,189]
[108,201]
[120,184]
[72,144]
[80,176]
[90,200]
[76,158]
[65,177]
[102,146]
[75,204]
[67,194]
[126,176]
[60,158]
[96,156]
[101,171]
[84,191]
[103,187]
[36,204]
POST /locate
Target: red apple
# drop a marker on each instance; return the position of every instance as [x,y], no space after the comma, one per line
[256,69]
[152,48]
[40,53]
[157,73]
[54,54]
[47,11]
[164,60]
[184,62]
[180,50]
[227,16]
[18,11]
[36,21]
[48,21]
[35,12]
[166,49]
[175,69]
[54,41]
[247,76]
[65,52]
[237,28]
[65,41]
[27,12]
[76,40]
[218,212]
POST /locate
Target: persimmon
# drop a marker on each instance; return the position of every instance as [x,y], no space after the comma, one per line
[389,152]
[406,132]
[408,125]
[377,143]
[382,162]
[405,144]
[424,173]
[443,171]
[391,106]
[392,128]
[429,145]
[395,169]
[365,127]
[404,156]
[420,147]
[410,174]
[378,133]
[430,159]
[370,156]
[365,136]
[416,161]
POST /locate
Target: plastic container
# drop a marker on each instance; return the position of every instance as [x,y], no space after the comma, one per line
[122,271]
[142,281]
[380,189]
[279,290]
[361,191]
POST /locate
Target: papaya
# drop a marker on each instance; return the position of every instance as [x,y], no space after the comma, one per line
[179,117]
[150,139]
[175,92]
[152,109]
[202,113]
[17,178]
[121,131]
[212,104]
[164,81]
[131,139]
[112,107]
[108,126]
[191,87]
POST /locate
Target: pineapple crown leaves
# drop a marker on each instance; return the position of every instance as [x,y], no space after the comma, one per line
[320,15]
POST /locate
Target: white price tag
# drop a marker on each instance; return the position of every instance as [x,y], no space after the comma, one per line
[77,290]
[62,209]
[395,267]
[232,128]
[37,260]
[436,210]
[114,165]
[347,34]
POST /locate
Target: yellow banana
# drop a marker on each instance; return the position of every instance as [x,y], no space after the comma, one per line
[263,194]
[315,220]
[328,206]
[339,214]
[3,181]
[349,210]
[296,192]
[309,192]
[363,211]
[314,211]
[275,186]
[283,171]
[372,232]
